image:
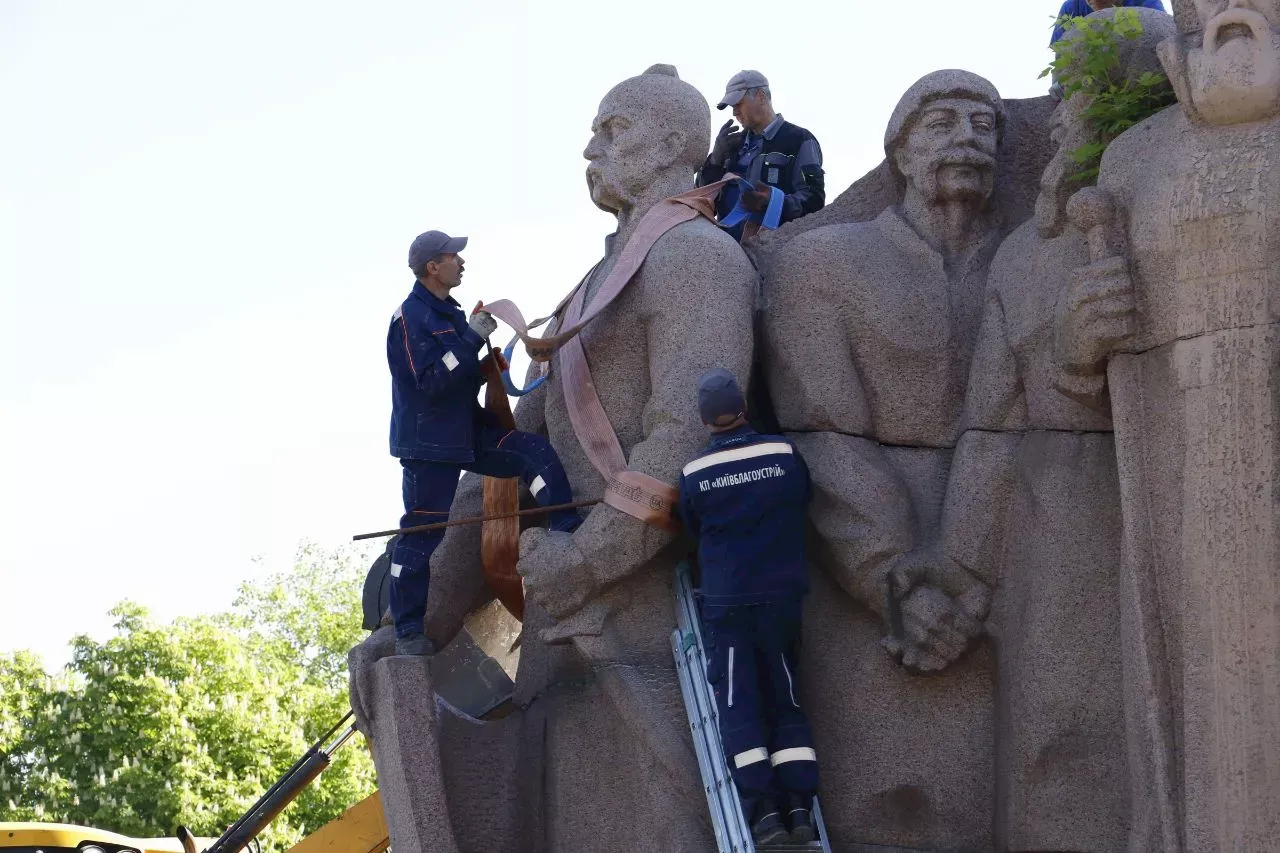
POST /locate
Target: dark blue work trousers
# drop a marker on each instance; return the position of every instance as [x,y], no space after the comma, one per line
[429,488]
[751,663]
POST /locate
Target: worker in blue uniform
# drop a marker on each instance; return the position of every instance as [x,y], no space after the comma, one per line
[767,152]
[439,360]
[1083,8]
[744,499]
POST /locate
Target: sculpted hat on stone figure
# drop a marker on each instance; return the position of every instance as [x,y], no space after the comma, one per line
[739,85]
[948,83]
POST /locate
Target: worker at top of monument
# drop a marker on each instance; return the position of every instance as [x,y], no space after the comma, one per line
[1083,8]
[768,151]
[438,429]
[1229,71]
[744,499]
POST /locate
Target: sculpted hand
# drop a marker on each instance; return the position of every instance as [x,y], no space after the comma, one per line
[727,143]
[937,630]
[1095,316]
[556,575]
[482,322]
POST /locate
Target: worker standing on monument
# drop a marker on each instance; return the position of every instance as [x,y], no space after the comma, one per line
[744,499]
[438,428]
[770,153]
[1084,8]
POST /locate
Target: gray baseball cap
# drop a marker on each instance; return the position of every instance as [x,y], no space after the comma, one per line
[738,86]
[720,399]
[427,245]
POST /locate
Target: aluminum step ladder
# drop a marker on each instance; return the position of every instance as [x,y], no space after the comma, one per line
[733,835]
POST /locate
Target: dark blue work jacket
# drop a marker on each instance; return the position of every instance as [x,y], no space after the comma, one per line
[744,498]
[1082,9]
[435,379]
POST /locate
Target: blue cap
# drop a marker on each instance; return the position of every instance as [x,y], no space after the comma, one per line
[430,244]
[720,399]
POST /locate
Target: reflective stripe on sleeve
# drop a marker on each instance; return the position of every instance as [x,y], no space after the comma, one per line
[768,448]
[450,361]
[537,485]
[795,753]
[731,676]
[751,756]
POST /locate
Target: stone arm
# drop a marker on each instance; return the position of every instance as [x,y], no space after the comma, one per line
[862,521]
[698,304]
[861,511]
[980,487]
[457,583]
[995,399]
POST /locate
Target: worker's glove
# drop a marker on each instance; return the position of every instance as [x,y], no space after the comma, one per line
[757,200]
[487,363]
[728,142]
[556,575]
[482,322]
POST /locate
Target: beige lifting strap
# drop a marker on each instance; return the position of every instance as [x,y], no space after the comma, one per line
[632,492]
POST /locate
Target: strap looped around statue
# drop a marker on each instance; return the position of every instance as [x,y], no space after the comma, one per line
[512,390]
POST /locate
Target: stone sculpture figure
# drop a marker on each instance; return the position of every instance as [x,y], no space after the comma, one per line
[869,333]
[1061,760]
[1184,286]
[606,758]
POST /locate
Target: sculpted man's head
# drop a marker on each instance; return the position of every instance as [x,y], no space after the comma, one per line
[1069,129]
[1229,71]
[943,137]
[648,128]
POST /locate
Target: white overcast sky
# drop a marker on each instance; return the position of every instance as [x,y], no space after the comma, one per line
[205,209]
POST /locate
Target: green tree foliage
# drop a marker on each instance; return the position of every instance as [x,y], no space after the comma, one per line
[191,721]
[1088,62]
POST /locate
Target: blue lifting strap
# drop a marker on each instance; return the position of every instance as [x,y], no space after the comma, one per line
[770,218]
[512,390]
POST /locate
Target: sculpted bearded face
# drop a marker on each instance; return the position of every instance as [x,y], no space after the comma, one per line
[949,154]
[647,127]
[1234,72]
[1068,130]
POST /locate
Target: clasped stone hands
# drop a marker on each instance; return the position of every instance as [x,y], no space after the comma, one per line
[942,606]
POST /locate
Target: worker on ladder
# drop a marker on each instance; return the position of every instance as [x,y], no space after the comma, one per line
[439,430]
[744,499]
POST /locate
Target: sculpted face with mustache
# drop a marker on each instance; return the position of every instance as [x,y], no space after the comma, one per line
[1232,68]
[949,155]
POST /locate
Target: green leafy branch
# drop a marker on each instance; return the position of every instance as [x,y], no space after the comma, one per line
[1087,61]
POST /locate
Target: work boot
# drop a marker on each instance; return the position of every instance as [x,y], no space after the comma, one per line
[800,819]
[415,644]
[766,823]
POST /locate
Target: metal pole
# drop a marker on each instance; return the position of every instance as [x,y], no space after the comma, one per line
[477,519]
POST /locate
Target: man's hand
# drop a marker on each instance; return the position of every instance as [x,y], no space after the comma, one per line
[556,575]
[757,200]
[937,630]
[1095,316]
[727,143]
[487,368]
[482,322]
